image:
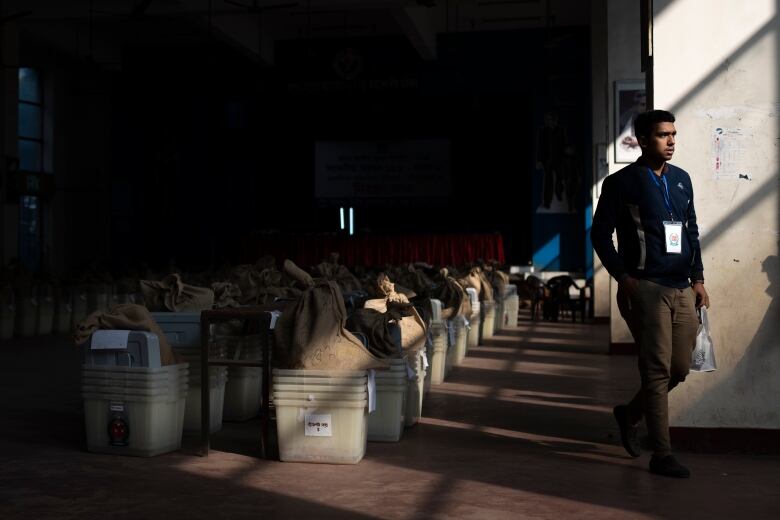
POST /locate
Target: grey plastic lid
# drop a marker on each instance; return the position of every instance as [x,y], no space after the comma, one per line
[319,373]
[320,404]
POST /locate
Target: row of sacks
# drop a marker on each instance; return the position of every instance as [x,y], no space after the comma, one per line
[47,305]
[350,375]
[316,318]
[319,331]
[316,333]
[49,309]
[335,359]
[41,307]
[54,306]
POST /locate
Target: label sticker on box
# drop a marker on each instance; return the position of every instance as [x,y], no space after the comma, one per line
[317,426]
[110,339]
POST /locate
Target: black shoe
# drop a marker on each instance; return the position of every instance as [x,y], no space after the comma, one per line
[628,431]
[668,467]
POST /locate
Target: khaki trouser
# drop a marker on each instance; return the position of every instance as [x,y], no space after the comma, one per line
[664,323]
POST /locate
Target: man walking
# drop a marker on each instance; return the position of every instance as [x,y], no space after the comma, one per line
[660,277]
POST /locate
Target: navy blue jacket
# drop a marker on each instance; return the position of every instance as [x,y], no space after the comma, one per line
[632,203]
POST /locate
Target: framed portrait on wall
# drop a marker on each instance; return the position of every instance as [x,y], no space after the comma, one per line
[630,100]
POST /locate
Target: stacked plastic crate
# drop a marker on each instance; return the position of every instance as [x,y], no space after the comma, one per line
[132,404]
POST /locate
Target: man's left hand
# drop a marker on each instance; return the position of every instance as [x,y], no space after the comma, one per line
[702,298]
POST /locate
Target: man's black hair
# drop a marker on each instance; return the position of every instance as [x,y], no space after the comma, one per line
[646,121]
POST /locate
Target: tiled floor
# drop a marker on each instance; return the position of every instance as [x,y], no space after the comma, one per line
[523,429]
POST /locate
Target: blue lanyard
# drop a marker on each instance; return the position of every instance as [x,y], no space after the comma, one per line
[664,191]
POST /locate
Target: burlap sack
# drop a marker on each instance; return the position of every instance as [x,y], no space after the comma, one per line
[375,326]
[171,294]
[454,300]
[226,294]
[476,279]
[472,279]
[416,280]
[413,331]
[389,290]
[247,278]
[465,304]
[262,286]
[127,316]
[331,270]
[297,274]
[487,288]
[498,279]
[311,334]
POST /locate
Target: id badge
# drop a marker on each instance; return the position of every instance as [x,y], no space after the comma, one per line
[673,234]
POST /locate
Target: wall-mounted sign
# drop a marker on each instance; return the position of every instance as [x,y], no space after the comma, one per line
[382,169]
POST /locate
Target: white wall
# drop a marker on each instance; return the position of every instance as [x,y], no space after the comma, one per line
[729,82]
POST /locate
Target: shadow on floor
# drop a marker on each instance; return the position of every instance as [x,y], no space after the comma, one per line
[514,432]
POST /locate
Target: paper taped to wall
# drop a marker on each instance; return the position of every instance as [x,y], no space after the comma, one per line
[729,153]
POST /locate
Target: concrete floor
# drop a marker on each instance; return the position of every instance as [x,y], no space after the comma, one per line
[523,429]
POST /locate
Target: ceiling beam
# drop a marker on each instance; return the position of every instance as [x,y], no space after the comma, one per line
[418,25]
[247,31]
[141,8]
[241,28]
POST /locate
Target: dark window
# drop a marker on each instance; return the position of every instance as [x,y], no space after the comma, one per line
[30,148]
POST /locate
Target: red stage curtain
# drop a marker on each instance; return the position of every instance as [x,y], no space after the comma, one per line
[378,250]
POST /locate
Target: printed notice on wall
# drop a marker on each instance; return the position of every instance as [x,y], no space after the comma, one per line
[317,426]
[382,169]
[729,153]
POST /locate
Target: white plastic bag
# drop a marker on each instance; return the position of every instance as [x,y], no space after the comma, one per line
[703,359]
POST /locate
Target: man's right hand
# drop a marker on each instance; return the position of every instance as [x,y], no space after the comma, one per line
[628,286]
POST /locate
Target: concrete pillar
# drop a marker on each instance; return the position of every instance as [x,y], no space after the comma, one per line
[716,67]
